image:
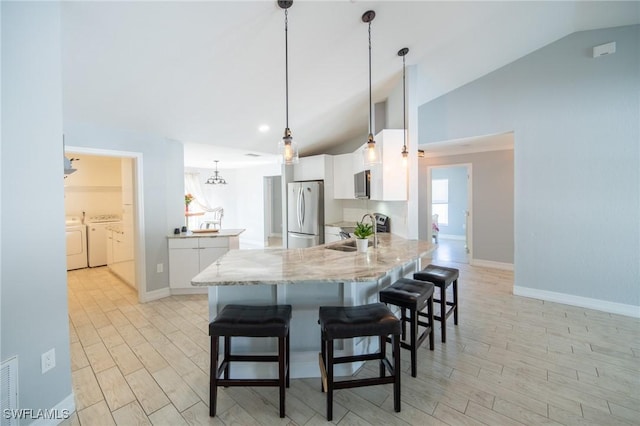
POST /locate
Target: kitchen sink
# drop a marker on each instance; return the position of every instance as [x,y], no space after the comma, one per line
[349,245]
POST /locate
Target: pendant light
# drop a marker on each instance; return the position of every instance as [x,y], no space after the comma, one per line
[216,179]
[371,153]
[288,148]
[405,154]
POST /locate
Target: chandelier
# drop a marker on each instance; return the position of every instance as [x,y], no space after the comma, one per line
[216,179]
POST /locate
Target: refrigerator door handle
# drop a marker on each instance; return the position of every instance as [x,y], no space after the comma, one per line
[302,204]
[299,201]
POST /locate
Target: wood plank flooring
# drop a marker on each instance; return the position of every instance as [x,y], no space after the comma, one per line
[510,361]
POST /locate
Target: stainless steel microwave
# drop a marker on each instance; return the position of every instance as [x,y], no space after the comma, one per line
[362,184]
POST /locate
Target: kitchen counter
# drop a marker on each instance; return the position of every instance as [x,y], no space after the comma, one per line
[307,278]
[220,233]
[313,264]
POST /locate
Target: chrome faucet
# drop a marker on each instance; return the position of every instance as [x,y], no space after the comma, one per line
[374,225]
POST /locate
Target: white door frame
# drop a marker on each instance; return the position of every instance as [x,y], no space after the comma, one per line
[469,228]
[139,246]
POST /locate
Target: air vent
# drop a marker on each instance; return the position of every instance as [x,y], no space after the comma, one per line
[252,155]
[9,390]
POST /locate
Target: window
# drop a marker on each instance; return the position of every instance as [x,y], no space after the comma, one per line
[440,200]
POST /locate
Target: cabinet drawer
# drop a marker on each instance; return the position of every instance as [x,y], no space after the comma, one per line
[214,242]
[183,243]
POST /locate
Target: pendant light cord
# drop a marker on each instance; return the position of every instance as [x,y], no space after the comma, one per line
[286,62]
[404,105]
[370,101]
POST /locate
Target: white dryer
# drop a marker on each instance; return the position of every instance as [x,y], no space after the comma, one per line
[76,243]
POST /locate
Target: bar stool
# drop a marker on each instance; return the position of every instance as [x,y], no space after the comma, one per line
[414,296]
[345,322]
[442,277]
[249,321]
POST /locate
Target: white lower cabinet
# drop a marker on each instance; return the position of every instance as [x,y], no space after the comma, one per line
[189,256]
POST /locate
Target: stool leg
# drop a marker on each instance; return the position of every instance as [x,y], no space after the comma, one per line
[413,328]
[396,371]
[287,349]
[383,355]
[213,379]
[329,380]
[430,319]
[281,372]
[323,351]
[455,302]
[403,316]
[443,313]
[227,355]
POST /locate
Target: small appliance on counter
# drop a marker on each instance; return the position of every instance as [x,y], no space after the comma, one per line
[305,214]
[382,223]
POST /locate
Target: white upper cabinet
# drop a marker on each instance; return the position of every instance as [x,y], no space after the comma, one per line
[310,168]
[343,171]
[389,179]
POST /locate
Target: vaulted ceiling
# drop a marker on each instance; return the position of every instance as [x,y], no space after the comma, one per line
[209,74]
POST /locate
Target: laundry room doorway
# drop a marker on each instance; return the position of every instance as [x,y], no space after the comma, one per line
[104,194]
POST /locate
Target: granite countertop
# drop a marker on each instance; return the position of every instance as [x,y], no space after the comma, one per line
[220,233]
[314,264]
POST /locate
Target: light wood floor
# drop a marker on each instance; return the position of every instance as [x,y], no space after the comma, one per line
[511,360]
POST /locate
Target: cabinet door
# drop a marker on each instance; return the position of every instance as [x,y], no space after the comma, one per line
[309,168]
[184,264]
[209,255]
[343,172]
[109,247]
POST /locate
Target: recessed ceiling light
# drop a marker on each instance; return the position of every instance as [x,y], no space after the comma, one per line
[264,128]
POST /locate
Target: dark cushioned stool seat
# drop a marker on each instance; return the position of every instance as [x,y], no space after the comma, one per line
[252,321]
[442,277]
[414,296]
[249,321]
[344,322]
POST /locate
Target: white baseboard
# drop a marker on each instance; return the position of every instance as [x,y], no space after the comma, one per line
[194,290]
[583,302]
[65,407]
[491,264]
[155,295]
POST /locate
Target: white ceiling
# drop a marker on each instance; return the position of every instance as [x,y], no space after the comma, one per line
[209,73]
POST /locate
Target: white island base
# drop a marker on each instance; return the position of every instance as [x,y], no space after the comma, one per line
[305,298]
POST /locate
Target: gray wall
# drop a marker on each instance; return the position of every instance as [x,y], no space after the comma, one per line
[577,159]
[163,186]
[34,283]
[458,196]
[493,202]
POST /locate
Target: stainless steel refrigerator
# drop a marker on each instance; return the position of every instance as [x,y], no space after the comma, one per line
[305,214]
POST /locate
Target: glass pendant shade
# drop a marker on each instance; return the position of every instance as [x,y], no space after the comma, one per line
[288,149]
[371,153]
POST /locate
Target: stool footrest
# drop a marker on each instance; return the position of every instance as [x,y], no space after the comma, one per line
[356,358]
[248,382]
[372,381]
[253,358]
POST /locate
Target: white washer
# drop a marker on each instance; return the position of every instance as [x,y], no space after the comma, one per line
[76,243]
[97,238]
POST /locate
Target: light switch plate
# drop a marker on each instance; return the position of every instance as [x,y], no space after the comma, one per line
[48,360]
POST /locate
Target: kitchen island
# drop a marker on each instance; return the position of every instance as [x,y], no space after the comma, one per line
[306,279]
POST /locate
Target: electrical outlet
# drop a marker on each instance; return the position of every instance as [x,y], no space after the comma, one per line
[48,360]
[160,268]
